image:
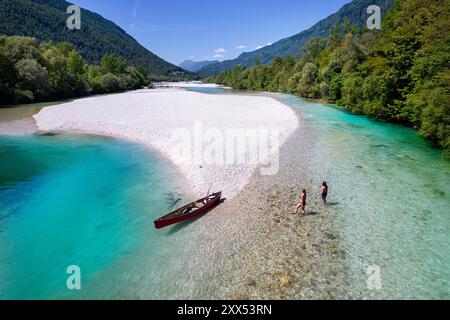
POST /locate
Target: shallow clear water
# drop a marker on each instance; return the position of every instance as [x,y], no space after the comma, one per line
[390,192]
[209,90]
[74,200]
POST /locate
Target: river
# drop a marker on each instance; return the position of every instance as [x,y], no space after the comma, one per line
[90,201]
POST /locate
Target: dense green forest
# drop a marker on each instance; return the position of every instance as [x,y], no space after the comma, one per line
[45,20]
[31,72]
[399,74]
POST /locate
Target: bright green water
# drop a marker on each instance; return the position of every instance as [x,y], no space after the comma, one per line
[218,90]
[73,200]
[390,194]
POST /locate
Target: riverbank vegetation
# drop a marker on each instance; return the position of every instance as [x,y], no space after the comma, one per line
[399,74]
[32,72]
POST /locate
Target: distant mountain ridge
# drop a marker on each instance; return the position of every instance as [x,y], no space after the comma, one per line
[194,66]
[355,12]
[45,20]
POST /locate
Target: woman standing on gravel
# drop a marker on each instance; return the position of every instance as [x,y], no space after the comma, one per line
[302,203]
[324,193]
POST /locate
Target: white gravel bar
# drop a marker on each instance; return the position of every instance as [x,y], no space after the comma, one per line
[193,130]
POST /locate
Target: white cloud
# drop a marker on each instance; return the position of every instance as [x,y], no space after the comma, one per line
[268,44]
[241,47]
[220,50]
[218,55]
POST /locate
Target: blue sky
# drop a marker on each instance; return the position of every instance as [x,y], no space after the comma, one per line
[177,30]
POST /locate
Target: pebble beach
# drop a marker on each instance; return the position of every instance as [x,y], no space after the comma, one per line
[181,125]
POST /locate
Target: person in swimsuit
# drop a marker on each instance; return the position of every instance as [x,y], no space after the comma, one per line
[324,193]
[302,203]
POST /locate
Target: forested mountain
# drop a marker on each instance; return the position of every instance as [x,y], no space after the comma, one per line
[354,12]
[399,74]
[45,20]
[194,66]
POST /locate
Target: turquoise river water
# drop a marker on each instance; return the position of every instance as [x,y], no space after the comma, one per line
[74,200]
[90,201]
[390,192]
[389,197]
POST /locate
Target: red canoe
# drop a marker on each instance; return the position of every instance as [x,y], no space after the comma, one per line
[190,211]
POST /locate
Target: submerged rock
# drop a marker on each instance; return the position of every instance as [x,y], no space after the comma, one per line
[284,281]
[250,282]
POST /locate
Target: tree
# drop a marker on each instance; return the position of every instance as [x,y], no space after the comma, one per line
[313,49]
[65,48]
[75,63]
[113,64]
[32,79]
[110,83]
[34,72]
[307,85]
[334,40]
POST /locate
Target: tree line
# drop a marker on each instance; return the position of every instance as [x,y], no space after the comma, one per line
[32,71]
[399,74]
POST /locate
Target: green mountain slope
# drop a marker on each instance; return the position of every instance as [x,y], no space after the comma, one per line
[194,66]
[45,20]
[400,74]
[354,11]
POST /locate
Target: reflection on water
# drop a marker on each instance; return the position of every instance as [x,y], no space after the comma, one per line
[19,112]
[18,120]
